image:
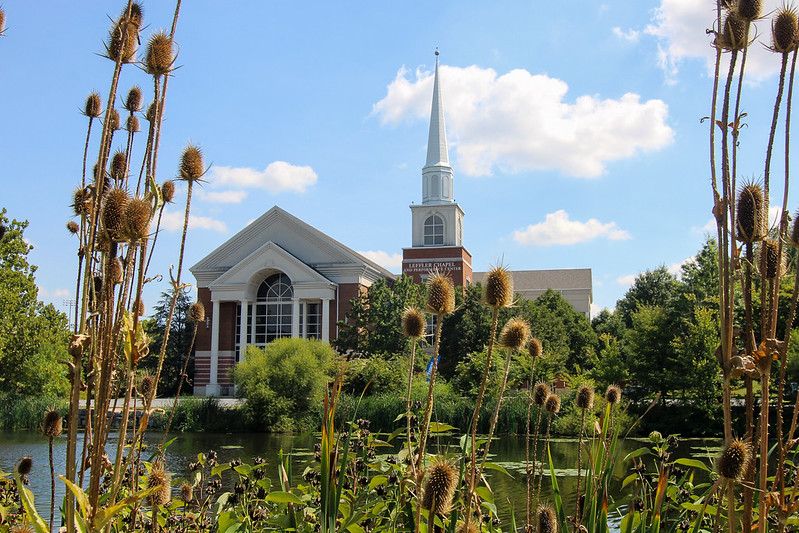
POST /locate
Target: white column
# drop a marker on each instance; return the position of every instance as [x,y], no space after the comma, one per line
[326,319]
[295,317]
[213,387]
[243,328]
[252,325]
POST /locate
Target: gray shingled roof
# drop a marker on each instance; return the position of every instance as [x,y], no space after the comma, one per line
[563,279]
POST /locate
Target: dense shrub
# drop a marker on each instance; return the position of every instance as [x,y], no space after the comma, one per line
[377,374]
[283,382]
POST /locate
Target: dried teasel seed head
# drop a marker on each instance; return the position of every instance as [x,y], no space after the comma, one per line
[545,516]
[186,492]
[122,41]
[585,397]
[2,19]
[540,393]
[466,527]
[191,163]
[498,288]
[82,201]
[119,166]
[93,107]
[613,394]
[196,312]
[534,348]
[146,386]
[413,323]
[136,14]
[140,310]
[439,487]
[515,333]
[151,111]
[52,424]
[137,219]
[24,466]
[162,480]
[20,528]
[132,124]
[440,294]
[748,10]
[115,203]
[733,33]
[159,54]
[73,227]
[115,271]
[793,236]
[775,262]
[133,100]
[751,214]
[552,403]
[168,191]
[733,461]
[113,120]
[784,30]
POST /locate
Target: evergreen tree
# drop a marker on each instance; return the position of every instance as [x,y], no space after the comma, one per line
[178,346]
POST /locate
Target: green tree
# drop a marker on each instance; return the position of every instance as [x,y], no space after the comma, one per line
[610,366]
[373,324]
[654,287]
[33,336]
[465,331]
[283,381]
[178,345]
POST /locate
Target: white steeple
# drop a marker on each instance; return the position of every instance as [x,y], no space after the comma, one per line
[437,175]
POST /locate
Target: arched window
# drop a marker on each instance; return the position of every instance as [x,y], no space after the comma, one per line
[273,309]
[434,231]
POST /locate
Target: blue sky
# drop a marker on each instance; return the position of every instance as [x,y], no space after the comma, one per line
[574,128]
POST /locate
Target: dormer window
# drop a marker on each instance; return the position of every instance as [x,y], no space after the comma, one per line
[434,231]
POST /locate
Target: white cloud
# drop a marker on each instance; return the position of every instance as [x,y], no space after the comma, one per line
[676,268]
[521,122]
[558,229]
[55,294]
[680,27]
[629,35]
[595,310]
[223,197]
[278,177]
[627,280]
[392,262]
[173,221]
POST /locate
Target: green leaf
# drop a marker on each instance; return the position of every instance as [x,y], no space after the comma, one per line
[80,496]
[638,453]
[437,427]
[484,494]
[218,469]
[498,468]
[693,463]
[629,479]
[26,497]
[279,496]
[244,470]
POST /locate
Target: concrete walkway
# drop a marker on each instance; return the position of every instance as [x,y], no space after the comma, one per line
[166,403]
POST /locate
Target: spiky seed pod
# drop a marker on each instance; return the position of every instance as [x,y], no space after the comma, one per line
[186,492]
[196,312]
[552,403]
[115,271]
[168,191]
[137,219]
[132,124]
[775,262]
[93,106]
[751,215]
[122,41]
[585,397]
[119,166]
[20,528]
[133,100]
[748,10]
[540,393]
[159,54]
[2,20]
[146,386]
[793,236]
[498,290]
[534,348]
[439,487]
[136,14]
[3,230]
[515,333]
[413,323]
[53,424]
[73,227]
[733,460]
[613,394]
[440,294]
[113,213]
[545,516]
[140,310]
[466,527]
[24,466]
[81,201]
[784,30]
[159,478]
[733,33]
[102,243]
[151,109]
[191,163]
[113,121]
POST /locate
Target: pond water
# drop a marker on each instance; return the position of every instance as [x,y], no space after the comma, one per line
[508,451]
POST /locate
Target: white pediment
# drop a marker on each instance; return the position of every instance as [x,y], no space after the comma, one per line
[241,281]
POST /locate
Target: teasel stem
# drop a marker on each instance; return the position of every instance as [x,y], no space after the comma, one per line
[529,501]
[180,384]
[475,417]
[546,447]
[495,415]
[52,481]
[578,515]
[408,408]
[773,130]
[428,409]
